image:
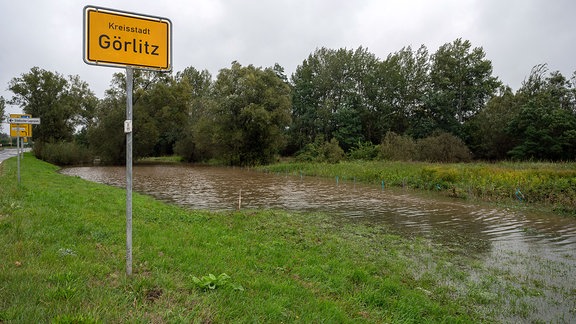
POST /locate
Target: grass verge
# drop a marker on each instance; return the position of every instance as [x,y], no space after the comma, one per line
[62,249]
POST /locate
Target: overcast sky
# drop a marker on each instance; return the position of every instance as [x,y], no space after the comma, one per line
[210,34]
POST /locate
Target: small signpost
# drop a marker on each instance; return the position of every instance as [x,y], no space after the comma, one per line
[24,120]
[19,130]
[125,39]
[21,127]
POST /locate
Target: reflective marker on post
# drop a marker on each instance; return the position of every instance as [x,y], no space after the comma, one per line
[127,126]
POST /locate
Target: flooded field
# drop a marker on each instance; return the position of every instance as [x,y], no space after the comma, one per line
[520,248]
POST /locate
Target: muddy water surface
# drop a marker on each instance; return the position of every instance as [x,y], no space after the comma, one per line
[539,248]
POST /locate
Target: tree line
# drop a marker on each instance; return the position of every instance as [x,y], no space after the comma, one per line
[339,103]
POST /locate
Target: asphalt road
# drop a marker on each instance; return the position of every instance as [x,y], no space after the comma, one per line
[7,153]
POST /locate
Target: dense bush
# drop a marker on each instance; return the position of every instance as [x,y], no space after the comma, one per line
[396,147]
[364,151]
[443,147]
[185,148]
[321,151]
[440,147]
[62,153]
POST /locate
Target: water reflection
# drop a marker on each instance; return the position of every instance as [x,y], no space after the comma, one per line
[448,221]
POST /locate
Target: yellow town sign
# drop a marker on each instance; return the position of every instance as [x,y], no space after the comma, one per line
[119,38]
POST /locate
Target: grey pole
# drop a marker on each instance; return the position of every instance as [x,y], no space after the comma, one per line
[18,149]
[128,131]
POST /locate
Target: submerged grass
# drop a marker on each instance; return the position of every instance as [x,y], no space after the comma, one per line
[62,259]
[171,159]
[551,185]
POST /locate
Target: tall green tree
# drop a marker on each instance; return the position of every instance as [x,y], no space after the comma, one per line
[106,136]
[403,85]
[166,104]
[332,92]
[545,126]
[195,142]
[461,84]
[2,107]
[62,104]
[81,96]
[251,113]
[487,131]
[200,82]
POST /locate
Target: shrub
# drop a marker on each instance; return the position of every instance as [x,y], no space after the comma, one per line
[364,151]
[321,151]
[62,153]
[185,148]
[443,147]
[332,151]
[396,147]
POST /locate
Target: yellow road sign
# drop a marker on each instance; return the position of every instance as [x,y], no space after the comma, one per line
[119,38]
[25,130]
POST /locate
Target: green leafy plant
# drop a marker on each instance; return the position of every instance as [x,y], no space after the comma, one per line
[396,147]
[211,282]
[364,151]
[321,151]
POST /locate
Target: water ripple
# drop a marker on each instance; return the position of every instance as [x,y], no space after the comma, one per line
[438,218]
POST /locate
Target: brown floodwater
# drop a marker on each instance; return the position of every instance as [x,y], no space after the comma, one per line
[538,247]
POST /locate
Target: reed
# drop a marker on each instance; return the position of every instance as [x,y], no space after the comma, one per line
[551,185]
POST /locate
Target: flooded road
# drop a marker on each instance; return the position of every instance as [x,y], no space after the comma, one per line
[538,247]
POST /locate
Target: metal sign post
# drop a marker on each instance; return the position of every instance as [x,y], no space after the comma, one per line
[21,127]
[128,131]
[119,38]
[18,153]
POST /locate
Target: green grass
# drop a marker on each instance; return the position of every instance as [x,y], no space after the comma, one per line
[62,259]
[160,160]
[550,185]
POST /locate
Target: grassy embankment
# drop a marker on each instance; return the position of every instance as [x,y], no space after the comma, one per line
[62,248]
[552,185]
